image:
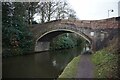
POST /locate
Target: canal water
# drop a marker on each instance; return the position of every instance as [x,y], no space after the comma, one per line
[48,64]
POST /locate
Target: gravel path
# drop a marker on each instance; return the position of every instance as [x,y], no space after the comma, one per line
[85,67]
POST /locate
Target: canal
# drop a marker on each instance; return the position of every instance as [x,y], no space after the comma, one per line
[48,64]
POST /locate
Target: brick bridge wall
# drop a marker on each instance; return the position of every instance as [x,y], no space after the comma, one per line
[103,30]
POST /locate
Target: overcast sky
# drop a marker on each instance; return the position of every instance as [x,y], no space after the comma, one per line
[94,9]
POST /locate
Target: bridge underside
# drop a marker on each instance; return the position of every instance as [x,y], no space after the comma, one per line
[48,37]
[43,43]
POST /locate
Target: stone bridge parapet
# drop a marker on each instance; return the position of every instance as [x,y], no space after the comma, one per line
[103,29]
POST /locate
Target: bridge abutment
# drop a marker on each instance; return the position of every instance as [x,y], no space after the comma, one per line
[42,46]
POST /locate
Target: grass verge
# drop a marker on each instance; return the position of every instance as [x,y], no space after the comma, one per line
[71,69]
[106,64]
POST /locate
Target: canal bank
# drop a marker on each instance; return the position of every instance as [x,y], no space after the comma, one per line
[80,67]
[102,64]
[71,69]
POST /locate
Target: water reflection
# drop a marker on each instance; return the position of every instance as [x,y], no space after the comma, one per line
[46,64]
[54,63]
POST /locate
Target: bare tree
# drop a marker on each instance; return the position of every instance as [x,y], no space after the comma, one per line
[54,10]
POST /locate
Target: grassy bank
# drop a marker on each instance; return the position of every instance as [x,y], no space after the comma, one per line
[106,64]
[71,69]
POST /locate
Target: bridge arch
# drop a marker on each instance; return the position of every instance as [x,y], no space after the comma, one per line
[67,30]
[41,44]
[80,27]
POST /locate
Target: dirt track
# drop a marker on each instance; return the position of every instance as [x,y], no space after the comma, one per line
[85,67]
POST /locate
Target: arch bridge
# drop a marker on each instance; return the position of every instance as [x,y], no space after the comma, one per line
[96,32]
